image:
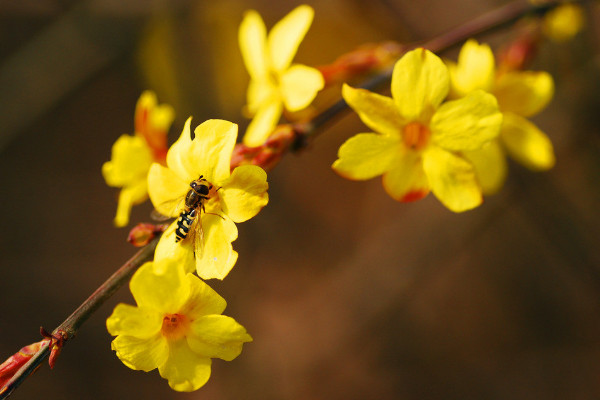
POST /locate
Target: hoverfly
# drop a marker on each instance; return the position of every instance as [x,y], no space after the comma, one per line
[194,204]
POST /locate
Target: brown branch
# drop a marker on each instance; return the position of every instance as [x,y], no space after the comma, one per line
[70,326]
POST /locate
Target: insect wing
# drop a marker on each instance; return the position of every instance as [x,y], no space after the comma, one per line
[198,237]
[174,206]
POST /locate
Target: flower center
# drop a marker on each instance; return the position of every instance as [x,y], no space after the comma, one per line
[416,135]
[175,326]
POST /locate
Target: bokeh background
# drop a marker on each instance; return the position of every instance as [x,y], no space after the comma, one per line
[348,294]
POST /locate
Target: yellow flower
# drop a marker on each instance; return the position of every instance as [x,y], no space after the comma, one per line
[564,22]
[176,327]
[520,94]
[419,140]
[226,198]
[132,155]
[274,82]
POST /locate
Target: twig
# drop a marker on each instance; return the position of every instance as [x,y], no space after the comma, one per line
[71,325]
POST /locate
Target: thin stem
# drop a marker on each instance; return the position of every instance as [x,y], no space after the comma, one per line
[486,23]
[71,325]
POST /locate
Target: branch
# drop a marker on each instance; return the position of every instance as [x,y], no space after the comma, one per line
[70,326]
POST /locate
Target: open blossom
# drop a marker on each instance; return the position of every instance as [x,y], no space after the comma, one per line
[132,155]
[230,197]
[520,94]
[176,327]
[419,140]
[274,82]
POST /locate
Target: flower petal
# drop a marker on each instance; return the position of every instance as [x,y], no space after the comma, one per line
[366,155]
[141,354]
[210,154]
[376,111]
[299,86]
[218,256]
[130,195]
[466,123]
[217,336]
[527,144]
[286,35]
[163,292]
[244,194]
[166,189]
[181,252]
[452,179]
[185,370]
[524,93]
[131,157]
[252,38]
[259,93]
[263,123]
[475,69]
[178,155]
[420,82]
[149,115]
[133,321]
[564,22]
[152,121]
[490,166]
[406,180]
[203,300]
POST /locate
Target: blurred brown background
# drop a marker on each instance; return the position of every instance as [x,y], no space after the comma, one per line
[348,294]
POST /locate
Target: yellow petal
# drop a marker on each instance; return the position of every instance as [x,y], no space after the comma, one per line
[218,256]
[420,82]
[177,156]
[212,148]
[185,370]
[466,123]
[129,196]
[129,162]
[286,35]
[252,38]
[406,180]
[152,117]
[490,166]
[564,22]
[244,194]
[524,93]
[203,300]
[133,321]
[263,123]
[376,111]
[181,253]
[166,189]
[208,154]
[299,86]
[366,156]
[452,179]
[141,354]
[163,292]
[475,69]
[259,93]
[527,144]
[217,336]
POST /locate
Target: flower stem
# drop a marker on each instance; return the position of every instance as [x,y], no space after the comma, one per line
[71,325]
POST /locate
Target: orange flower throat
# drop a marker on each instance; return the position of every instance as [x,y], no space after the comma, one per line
[416,135]
[175,326]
